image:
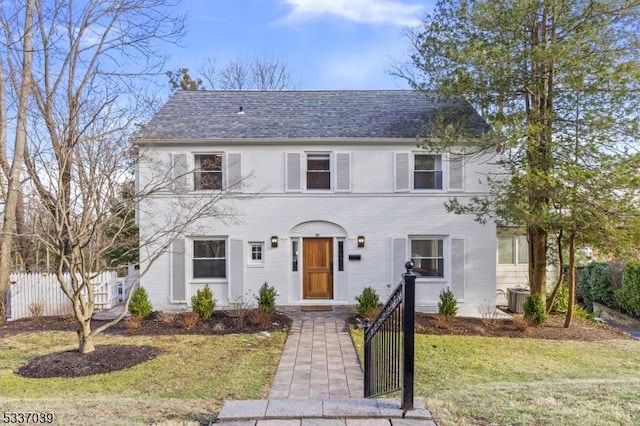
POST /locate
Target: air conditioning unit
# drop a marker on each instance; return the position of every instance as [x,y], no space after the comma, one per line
[516,298]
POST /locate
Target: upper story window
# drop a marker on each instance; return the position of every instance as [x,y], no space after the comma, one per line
[209,259]
[513,249]
[421,171]
[208,171]
[427,172]
[427,255]
[319,171]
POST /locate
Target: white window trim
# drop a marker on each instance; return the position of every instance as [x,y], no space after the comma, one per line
[189,253]
[191,160]
[446,253]
[332,172]
[444,159]
[515,245]
[251,263]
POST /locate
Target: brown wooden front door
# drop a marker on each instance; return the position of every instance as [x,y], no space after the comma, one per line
[317,268]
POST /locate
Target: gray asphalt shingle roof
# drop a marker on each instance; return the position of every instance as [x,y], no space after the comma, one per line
[304,114]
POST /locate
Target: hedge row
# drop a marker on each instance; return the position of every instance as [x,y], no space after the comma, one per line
[600,283]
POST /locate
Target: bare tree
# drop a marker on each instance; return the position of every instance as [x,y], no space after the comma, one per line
[239,74]
[19,64]
[87,62]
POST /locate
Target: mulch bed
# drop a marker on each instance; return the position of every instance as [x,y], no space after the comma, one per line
[107,358]
[553,329]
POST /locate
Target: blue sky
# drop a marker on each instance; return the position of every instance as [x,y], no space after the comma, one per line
[327,44]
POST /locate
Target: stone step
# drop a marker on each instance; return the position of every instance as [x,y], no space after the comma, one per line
[321,412]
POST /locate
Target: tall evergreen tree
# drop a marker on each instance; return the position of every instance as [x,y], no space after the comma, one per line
[559,82]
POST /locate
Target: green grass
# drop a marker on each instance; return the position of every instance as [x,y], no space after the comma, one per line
[467,380]
[187,382]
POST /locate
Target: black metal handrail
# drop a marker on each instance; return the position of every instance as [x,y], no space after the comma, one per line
[389,344]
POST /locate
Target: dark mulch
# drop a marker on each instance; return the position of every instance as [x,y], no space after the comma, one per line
[107,358]
[553,329]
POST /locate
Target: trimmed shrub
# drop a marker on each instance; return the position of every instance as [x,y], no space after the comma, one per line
[595,285]
[534,309]
[267,298]
[628,296]
[189,320]
[203,303]
[448,305]
[140,304]
[368,302]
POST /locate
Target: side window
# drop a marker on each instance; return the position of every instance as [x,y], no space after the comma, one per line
[513,250]
[427,172]
[319,171]
[208,171]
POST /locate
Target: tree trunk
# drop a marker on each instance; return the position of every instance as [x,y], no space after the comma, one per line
[571,282]
[13,181]
[85,338]
[554,293]
[538,261]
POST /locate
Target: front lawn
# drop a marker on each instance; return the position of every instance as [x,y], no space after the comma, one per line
[473,380]
[187,382]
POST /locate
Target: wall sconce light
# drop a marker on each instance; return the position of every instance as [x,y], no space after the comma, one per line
[274,241]
[361,241]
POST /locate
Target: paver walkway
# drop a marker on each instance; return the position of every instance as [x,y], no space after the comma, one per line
[319,360]
[319,382]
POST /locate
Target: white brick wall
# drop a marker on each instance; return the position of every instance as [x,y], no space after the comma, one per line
[371,209]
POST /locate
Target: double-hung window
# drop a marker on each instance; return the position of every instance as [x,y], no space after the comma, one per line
[427,171]
[319,171]
[427,255]
[513,249]
[208,171]
[209,258]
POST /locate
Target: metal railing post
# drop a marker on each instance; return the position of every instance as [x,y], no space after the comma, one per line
[367,360]
[408,340]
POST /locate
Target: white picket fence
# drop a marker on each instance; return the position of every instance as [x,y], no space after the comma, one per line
[29,293]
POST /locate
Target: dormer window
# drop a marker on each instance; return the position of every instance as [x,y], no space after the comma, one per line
[208,172]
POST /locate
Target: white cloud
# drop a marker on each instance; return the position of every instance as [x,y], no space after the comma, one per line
[362,11]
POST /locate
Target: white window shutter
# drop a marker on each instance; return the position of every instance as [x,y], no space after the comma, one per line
[456,172]
[178,288]
[234,172]
[293,171]
[458,268]
[399,258]
[343,171]
[401,166]
[236,270]
[179,173]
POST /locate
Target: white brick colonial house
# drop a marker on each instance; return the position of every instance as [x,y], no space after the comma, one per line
[333,196]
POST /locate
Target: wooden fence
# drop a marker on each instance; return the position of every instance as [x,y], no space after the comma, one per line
[40,294]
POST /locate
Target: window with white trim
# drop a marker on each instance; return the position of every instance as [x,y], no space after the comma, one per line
[427,255]
[318,171]
[208,171]
[209,258]
[427,171]
[256,253]
[513,250]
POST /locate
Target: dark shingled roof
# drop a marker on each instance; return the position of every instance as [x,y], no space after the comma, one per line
[305,114]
